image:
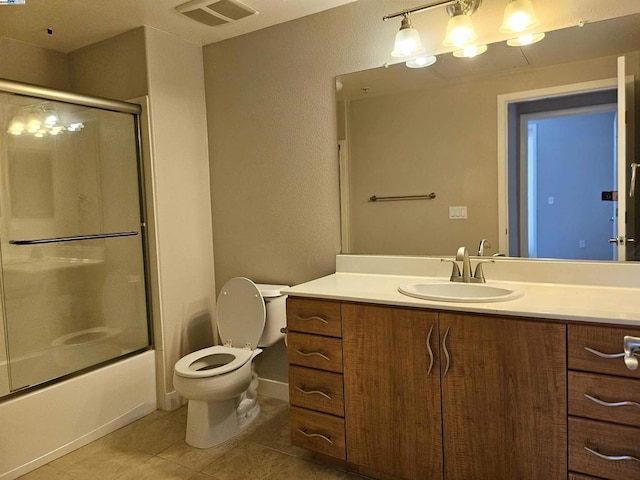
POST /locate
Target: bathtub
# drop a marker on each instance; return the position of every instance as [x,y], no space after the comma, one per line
[46,424]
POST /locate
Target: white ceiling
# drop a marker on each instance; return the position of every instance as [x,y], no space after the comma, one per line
[77,23]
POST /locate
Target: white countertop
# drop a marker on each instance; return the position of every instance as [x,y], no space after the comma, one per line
[591,303]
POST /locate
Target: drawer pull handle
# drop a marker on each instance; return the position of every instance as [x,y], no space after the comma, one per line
[430,351]
[612,404]
[313,392]
[314,317]
[319,435]
[311,354]
[604,355]
[611,458]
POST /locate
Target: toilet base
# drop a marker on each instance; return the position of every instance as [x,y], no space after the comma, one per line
[212,423]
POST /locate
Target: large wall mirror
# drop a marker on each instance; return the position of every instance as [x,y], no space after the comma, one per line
[519,146]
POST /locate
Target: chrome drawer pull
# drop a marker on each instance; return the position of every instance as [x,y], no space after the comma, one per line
[612,404]
[311,354]
[429,350]
[612,458]
[312,392]
[604,355]
[446,352]
[315,317]
[323,437]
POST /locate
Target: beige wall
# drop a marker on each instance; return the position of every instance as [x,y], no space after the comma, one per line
[23,62]
[273,140]
[114,68]
[182,203]
[440,140]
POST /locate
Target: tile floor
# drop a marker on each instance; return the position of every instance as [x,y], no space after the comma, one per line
[153,448]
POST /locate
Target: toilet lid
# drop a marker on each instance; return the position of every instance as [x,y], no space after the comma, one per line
[241,313]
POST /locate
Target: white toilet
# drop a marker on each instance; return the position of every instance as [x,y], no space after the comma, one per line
[220,382]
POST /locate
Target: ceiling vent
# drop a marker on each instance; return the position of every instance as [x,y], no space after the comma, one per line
[214,13]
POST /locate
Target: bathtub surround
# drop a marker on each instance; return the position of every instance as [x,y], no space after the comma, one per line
[178,207]
[48,423]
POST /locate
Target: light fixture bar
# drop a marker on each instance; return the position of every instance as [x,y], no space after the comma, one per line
[423,8]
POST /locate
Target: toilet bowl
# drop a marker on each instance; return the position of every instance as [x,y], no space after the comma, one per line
[220,382]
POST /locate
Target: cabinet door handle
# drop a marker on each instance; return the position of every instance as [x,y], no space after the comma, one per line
[604,355]
[626,403]
[311,354]
[314,317]
[446,352]
[313,392]
[611,458]
[430,351]
[319,435]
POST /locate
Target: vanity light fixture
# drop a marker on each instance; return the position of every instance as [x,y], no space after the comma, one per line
[527,39]
[459,29]
[407,41]
[518,17]
[421,62]
[470,51]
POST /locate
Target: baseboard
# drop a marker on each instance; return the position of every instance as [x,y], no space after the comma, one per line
[170,401]
[273,389]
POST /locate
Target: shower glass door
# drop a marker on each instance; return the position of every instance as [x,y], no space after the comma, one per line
[72,250]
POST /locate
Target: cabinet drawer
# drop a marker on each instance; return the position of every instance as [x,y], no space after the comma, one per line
[321,391]
[607,340]
[321,317]
[607,439]
[579,476]
[314,351]
[603,388]
[319,432]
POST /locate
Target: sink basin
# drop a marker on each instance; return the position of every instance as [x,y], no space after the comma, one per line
[458,292]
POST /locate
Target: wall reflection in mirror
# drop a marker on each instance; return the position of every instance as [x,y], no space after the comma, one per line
[521,146]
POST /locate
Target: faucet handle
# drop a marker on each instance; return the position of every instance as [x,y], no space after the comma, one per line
[479,272]
[455,273]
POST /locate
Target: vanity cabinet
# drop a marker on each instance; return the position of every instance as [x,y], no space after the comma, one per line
[472,396]
[604,404]
[314,352]
[504,406]
[392,391]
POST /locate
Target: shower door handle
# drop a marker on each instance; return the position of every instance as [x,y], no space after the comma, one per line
[39,241]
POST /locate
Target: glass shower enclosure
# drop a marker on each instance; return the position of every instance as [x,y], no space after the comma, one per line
[73,277]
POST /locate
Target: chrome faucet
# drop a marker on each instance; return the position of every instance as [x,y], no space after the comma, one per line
[484,243]
[463,255]
[456,276]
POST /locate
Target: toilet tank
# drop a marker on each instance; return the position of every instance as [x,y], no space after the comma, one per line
[276,317]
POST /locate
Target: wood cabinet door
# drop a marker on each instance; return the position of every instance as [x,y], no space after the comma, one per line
[392,390]
[504,398]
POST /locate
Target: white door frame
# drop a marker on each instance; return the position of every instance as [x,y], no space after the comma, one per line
[504,101]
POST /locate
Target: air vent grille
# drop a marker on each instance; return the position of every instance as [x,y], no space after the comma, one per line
[230,9]
[216,13]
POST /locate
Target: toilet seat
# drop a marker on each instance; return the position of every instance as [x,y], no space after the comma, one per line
[241,313]
[212,361]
